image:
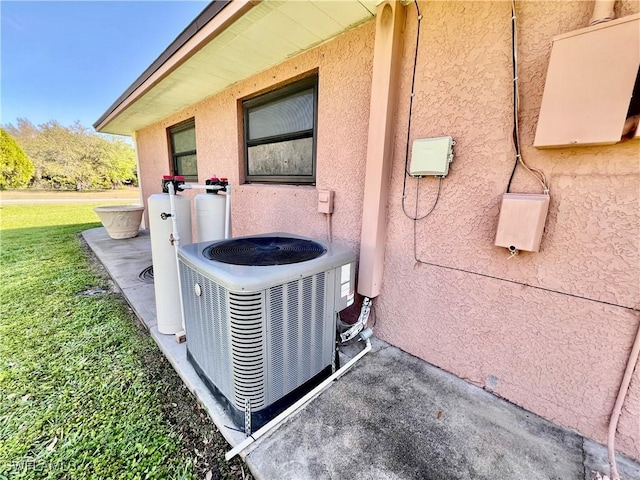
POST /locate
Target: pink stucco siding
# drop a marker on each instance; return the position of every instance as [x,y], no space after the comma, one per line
[549,331]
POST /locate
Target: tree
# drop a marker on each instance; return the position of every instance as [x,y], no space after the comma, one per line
[75,157]
[15,167]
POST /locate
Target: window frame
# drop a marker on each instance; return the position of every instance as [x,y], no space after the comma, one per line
[269,97]
[177,128]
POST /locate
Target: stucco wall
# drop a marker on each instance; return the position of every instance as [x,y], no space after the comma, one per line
[549,331]
[344,69]
[561,354]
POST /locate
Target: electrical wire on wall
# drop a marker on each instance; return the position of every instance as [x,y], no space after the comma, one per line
[534,172]
[415,218]
[413,84]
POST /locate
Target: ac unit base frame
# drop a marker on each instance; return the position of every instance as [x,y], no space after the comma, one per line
[261,417]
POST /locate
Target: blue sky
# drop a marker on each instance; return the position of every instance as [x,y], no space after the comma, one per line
[69,61]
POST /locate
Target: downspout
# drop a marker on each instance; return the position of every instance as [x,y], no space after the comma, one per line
[387,53]
[602,11]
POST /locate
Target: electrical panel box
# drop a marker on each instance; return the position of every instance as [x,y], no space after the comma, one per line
[522,219]
[589,85]
[431,156]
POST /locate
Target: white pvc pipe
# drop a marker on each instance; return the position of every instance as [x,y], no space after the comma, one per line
[191,186]
[617,409]
[296,406]
[227,213]
[172,211]
[176,244]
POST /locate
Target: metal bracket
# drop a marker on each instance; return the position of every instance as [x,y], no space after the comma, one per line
[333,360]
[247,416]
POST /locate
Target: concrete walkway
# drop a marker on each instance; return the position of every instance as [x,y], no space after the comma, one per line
[393,416]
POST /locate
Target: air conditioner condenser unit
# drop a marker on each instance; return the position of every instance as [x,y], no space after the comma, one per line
[260,317]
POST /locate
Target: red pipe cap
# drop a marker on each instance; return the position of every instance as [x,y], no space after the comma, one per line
[179,178]
[167,177]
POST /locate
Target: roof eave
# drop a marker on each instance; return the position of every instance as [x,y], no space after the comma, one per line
[214,19]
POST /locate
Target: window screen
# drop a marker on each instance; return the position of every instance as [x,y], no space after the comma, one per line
[182,138]
[280,134]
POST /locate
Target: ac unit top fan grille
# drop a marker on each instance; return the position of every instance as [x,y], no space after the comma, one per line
[264,251]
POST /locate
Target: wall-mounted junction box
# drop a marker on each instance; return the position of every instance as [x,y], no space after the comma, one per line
[522,219]
[589,91]
[431,156]
[325,201]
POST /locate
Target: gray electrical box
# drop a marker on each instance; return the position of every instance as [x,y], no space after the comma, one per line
[431,156]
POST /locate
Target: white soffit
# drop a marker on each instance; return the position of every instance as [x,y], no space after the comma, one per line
[263,37]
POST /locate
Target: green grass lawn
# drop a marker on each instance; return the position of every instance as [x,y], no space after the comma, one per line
[131,193]
[84,392]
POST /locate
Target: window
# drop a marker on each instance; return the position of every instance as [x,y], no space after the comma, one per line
[182,138]
[280,134]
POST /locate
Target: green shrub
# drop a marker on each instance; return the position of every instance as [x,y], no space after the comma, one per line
[75,157]
[15,167]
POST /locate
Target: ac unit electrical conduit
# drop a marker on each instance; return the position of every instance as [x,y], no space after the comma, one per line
[302,402]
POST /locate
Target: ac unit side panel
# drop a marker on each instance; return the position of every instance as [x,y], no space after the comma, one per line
[329,330]
[246,321]
[296,334]
[345,285]
[208,327]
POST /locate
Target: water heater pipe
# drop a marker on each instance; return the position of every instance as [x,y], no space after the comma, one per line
[298,405]
[175,239]
[227,213]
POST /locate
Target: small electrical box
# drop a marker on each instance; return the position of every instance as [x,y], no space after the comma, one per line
[522,219]
[431,156]
[325,201]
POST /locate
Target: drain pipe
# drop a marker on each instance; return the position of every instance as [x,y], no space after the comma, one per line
[617,408]
[357,327]
[603,11]
[387,60]
[365,335]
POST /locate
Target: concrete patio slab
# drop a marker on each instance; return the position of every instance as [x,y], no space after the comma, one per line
[393,416]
